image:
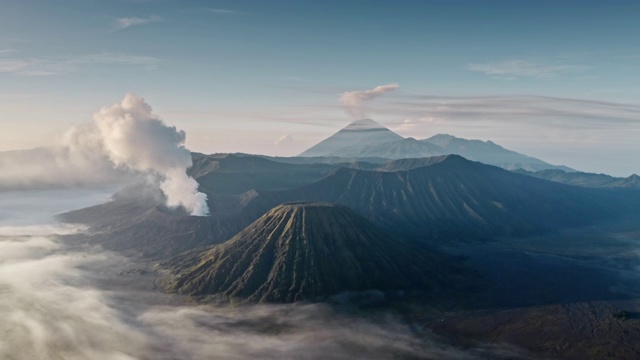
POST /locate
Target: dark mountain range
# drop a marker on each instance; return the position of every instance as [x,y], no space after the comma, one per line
[304,251]
[443,199]
[406,164]
[585,179]
[333,160]
[457,198]
[136,223]
[367,139]
[233,174]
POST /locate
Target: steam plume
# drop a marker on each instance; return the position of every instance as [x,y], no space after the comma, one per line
[133,138]
[124,141]
[353,101]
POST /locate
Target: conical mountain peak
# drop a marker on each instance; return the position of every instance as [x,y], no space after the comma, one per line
[351,139]
[305,251]
[364,124]
[368,140]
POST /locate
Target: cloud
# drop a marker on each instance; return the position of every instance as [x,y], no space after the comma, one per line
[589,135]
[285,140]
[80,302]
[116,58]
[542,110]
[49,307]
[354,101]
[513,69]
[126,22]
[556,129]
[312,331]
[64,165]
[34,66]
[412,123]
[53,308]
[223,11]
[50,310]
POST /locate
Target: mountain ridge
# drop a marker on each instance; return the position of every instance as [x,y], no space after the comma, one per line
[458,199]
[583,179]
[305,251]
[490,153]
[368,139]
[442,200]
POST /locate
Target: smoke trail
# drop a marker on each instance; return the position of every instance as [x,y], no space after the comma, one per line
[135,138]
[353,101]
[123,142]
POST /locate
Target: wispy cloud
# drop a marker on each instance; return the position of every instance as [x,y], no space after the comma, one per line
[4,52]
[126,22]
[353,101]
[223,11]
[34,66]
[542,110]
[285,140]
[585,134]
[118,58]
[513,69]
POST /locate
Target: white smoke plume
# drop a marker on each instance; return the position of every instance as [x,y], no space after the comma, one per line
[134,138]
[353,101]
[124,141]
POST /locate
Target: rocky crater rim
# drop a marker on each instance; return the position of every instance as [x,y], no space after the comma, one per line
[307,204]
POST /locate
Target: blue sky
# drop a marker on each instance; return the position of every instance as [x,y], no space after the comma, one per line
[553,79]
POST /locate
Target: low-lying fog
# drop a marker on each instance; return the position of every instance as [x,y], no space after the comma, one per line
[58,302]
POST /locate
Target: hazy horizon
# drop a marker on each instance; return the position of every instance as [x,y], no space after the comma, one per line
[271,78]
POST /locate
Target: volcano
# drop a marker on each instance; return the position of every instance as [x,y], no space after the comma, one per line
[368,140]
[306,251]
[350,140]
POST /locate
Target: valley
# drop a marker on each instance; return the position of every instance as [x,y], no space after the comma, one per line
[480,255]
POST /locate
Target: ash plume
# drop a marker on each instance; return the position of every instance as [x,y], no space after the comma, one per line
[354,101]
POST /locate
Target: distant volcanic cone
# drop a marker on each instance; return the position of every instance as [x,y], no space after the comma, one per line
[305,251]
